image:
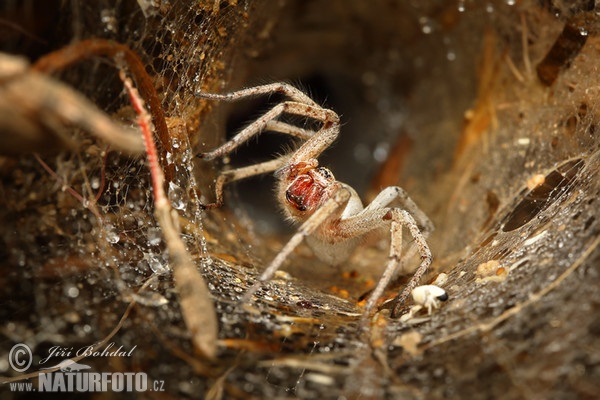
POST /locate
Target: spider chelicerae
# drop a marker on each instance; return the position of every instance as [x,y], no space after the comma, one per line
[331,215]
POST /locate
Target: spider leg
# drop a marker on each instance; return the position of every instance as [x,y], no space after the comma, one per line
[288,129]
[396,193]
[301,104]
[279,87]
[326,211]
[392,193]
[426,258]
[258,126]
[243,173]
[376,215]
[261,168]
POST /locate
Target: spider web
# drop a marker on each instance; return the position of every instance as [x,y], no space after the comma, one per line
[72,265]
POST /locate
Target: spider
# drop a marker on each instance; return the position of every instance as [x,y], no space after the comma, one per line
[331,215]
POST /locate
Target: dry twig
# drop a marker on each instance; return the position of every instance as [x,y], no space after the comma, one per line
[194,297]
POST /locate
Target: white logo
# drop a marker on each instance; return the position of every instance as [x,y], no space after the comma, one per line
[20,357]
[70,376]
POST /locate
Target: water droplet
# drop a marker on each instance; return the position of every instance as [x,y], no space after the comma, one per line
[109,20]
[205,259]
[71,290]
[381,152]
[426,25]
[92,280]
[112,236]
[461,6]
[176,143]
[21,259]
[154,236]
[176,196]
[157,266]
[186,157]
[511,2]
[95,183]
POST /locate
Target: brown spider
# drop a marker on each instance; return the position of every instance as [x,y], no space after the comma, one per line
[331,214]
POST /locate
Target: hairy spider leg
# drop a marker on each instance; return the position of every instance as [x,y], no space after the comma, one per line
[376,216]
[278,87]
[288,129]
[258,126]
[332,206]
[243,173]
[301,104]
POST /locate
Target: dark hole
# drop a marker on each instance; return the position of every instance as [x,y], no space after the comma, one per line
[589,223]
[555,184]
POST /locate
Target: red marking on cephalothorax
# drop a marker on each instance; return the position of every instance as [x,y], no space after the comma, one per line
[304,193]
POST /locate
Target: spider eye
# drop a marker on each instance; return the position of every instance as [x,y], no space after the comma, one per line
[326,173]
